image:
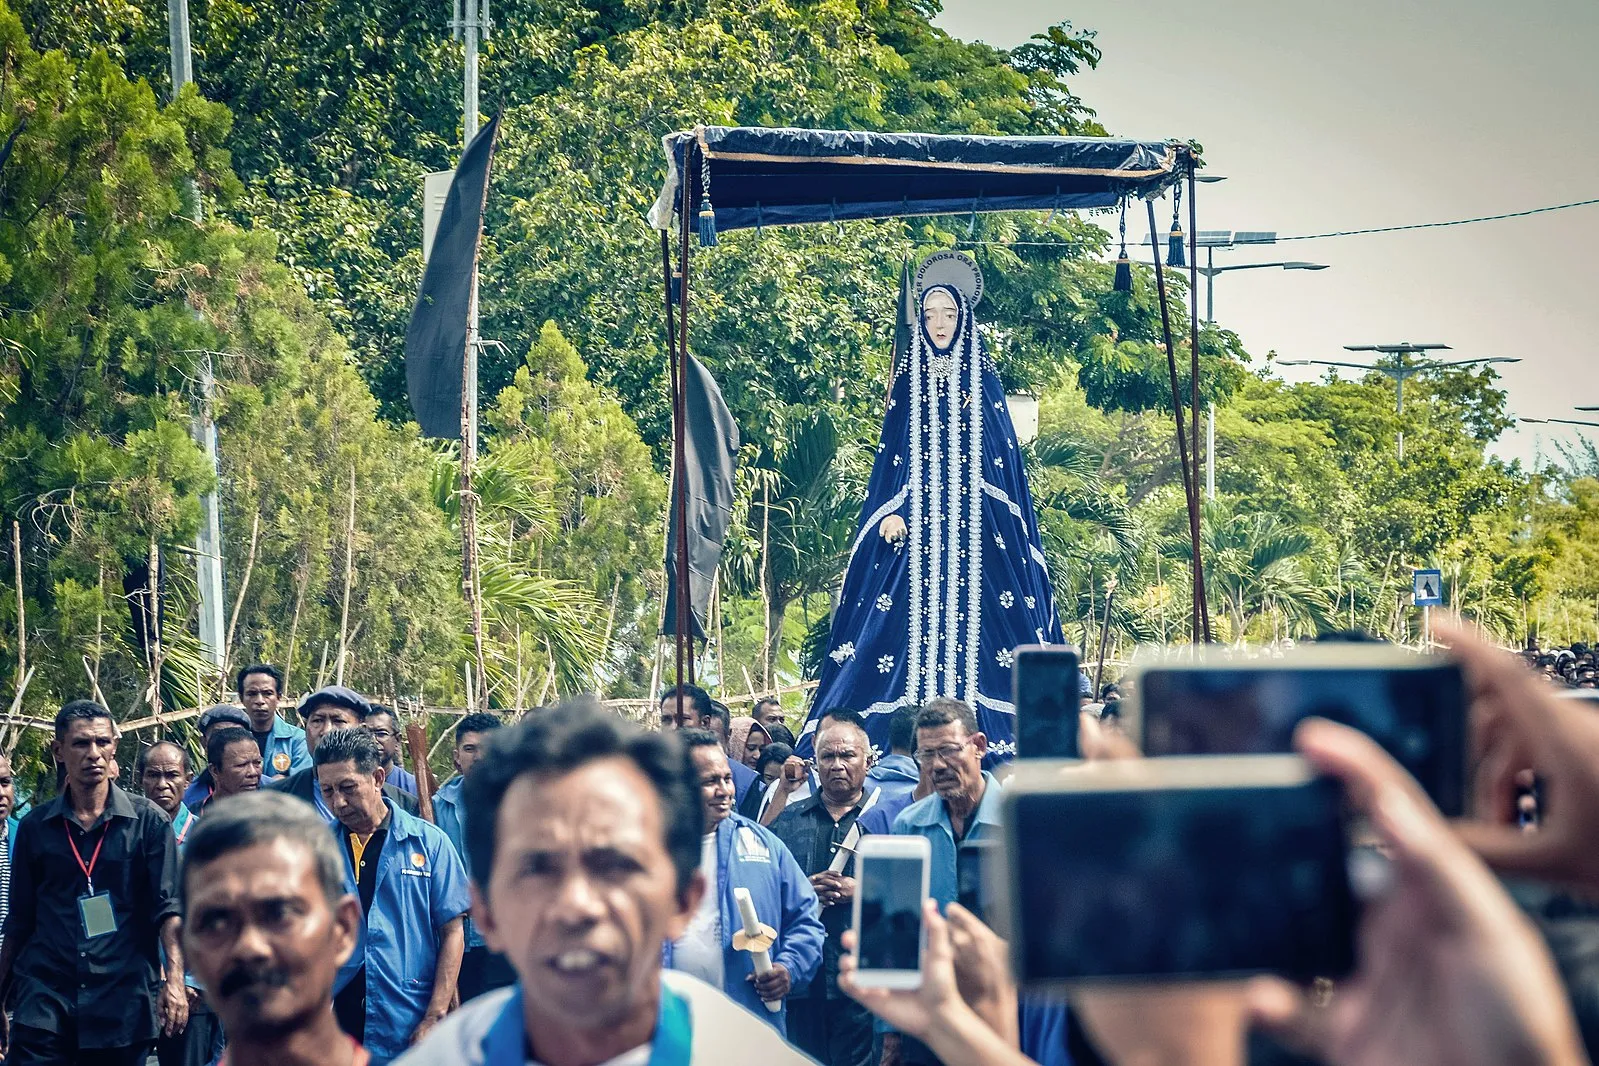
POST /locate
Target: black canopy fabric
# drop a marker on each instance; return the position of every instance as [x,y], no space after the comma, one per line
[435,341]
[773,177]
[710,450]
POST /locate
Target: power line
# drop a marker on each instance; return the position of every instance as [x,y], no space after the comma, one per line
[1440,225]
[1331,233]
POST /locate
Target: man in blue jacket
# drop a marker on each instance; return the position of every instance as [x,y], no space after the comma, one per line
[481,969]
[738,853]
[400,980]
[896,773]
[283,749]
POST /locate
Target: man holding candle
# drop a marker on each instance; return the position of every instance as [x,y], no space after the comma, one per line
[821,831]
[737,853]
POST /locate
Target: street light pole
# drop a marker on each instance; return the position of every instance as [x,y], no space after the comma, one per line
[1210,240]
[1399,369]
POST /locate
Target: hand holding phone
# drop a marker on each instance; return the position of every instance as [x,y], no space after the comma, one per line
[891,884]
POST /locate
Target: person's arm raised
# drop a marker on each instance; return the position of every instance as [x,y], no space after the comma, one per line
[1518,724]
[1450,971]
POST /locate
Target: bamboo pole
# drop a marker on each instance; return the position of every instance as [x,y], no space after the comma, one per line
[22,612]
[244,587]
[349,581]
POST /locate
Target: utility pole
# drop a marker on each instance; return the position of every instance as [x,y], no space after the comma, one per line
[471,25]
[208,544]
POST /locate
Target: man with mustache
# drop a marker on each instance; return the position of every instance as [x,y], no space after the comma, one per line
[584,833]
[960,820]
[267,924]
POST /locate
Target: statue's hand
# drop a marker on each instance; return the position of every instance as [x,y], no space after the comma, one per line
[892,529]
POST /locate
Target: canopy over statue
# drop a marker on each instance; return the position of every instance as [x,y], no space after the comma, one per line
[946,576]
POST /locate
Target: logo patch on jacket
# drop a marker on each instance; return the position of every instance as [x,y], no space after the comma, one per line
[749,846]
[280,762]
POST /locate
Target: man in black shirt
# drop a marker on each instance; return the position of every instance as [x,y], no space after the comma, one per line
[94,892]
[822,1021]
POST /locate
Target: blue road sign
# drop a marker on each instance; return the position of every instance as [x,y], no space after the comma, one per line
[1427,586]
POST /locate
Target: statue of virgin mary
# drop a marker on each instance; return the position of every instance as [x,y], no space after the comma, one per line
[946,577]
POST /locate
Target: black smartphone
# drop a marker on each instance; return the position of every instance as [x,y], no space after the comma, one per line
[1045,689]
[1412,705]
[1163,869]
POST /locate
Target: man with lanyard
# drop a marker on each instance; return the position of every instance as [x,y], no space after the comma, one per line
[221,716]
[282,745]
[267,924]
[384,725]
[481,969]
[325,710]
[400,980]
[94,892]
[821,832]
[961,821]
[162,770]
[737,853]
[584,832]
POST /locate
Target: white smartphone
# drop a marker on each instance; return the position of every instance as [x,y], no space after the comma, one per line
[891,878]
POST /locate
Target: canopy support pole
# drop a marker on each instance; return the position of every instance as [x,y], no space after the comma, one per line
[679,368]
[1177,415]
[1193,386]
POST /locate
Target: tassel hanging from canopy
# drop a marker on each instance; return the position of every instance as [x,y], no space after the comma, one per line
[1124,266]
[707,210]
[1176,254]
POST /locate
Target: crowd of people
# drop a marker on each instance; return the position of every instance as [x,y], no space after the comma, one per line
[1573,667]
[587,892]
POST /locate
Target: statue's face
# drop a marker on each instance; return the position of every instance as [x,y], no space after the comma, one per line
[940,316]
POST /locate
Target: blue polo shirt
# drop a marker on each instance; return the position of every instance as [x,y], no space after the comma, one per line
[449,814]
[928,817]
[421,886]
[284,752]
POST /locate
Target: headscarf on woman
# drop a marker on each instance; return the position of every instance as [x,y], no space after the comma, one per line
[738,733]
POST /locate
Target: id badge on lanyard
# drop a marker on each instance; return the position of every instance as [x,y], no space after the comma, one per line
[94,908]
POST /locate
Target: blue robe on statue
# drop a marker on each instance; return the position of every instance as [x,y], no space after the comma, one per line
[940,612]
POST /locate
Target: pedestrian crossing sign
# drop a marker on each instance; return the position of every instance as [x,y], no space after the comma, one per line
[1428,588]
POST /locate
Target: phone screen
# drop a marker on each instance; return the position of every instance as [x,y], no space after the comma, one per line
[1048,700]
[1183,882]
[891,912]
[1417,714]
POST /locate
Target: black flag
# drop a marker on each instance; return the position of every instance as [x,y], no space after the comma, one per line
[435,342]
[710,448]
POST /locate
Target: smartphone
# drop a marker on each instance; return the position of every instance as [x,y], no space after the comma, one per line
[1415,706]
[891,879]
[1177,869]
[1045,690]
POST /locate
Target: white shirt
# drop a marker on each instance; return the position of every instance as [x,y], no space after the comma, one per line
[725,1034]
[699,952]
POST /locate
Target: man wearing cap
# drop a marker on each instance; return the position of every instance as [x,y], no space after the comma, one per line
[222,716]
[325,710]
[283,748]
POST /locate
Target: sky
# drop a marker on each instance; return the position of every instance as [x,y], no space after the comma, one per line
[1363,113]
